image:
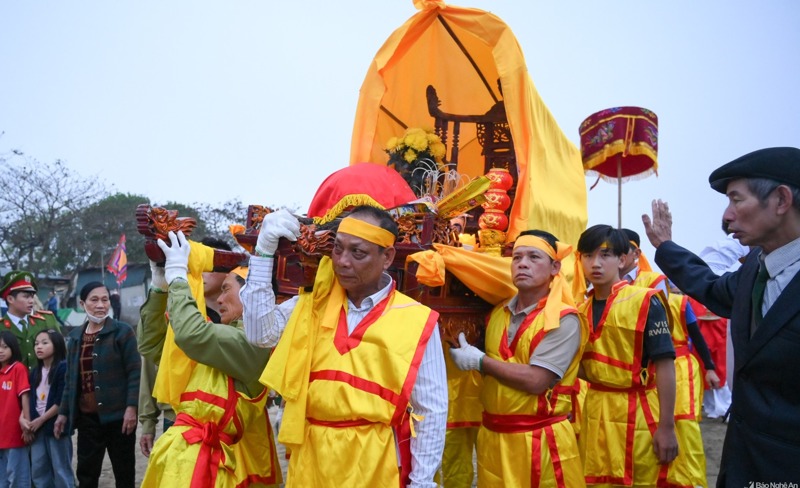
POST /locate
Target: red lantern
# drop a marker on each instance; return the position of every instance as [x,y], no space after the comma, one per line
[497,199]
[493,219]
[501,179]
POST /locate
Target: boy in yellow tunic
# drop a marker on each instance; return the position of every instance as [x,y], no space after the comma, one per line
[358,363]
[222,435]
[628,430]
[533,348]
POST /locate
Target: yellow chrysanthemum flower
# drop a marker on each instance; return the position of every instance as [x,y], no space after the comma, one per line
[419,142]
[438,150]
[392,144]
[410,155]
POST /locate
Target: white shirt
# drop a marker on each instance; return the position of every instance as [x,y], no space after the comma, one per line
[264,323]
[723,255]
[15,320]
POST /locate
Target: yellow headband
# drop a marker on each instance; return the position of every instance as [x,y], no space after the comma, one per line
[563,250]
[366,231]
[241,272]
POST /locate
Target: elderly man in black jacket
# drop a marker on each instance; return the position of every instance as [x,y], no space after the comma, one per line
[761,298]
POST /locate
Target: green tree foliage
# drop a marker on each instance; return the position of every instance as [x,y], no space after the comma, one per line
[54,221]
[95,230]
[39,199]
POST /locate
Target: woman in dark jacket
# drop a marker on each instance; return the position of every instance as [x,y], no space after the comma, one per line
[102,391]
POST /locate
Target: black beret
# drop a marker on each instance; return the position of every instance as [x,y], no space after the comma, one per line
[775,163]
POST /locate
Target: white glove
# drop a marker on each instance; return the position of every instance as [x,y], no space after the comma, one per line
[274,226]
[466,357]
[158,280]
[177,254]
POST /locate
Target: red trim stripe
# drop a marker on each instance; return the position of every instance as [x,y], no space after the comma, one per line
[345,341]
[357,383]
[340,424]
[536,459]
[411,377]
[507,350]
[558,470]
[595,356]
[205,397]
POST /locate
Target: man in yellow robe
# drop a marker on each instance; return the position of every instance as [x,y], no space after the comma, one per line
[628,427]
[533,347]
[359,364]
[222,436]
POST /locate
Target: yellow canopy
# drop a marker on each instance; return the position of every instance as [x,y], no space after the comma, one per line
[462,53]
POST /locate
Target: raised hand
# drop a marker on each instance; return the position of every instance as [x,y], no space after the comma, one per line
[659,228]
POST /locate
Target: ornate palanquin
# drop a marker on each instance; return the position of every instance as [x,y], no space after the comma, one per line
[494,135]
[295,263]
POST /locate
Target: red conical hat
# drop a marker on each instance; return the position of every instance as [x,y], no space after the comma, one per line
[359,184]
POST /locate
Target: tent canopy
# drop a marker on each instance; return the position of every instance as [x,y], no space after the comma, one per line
[473,60]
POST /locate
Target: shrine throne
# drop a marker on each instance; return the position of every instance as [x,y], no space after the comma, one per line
[494,135]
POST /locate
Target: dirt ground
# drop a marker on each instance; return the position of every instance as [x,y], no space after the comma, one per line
[713,435]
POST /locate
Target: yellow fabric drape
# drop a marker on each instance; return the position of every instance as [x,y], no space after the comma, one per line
[488,276]
[175,367]
[578,280]
[288,369]
[644,264]
[551,194]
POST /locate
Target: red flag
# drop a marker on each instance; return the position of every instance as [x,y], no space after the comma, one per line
[118,264]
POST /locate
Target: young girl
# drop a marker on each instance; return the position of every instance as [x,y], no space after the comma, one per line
[51,458]
[15,468]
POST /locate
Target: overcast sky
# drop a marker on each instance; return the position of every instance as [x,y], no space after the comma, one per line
[199,101]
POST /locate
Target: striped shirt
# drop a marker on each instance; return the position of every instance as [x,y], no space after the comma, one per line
[264,322]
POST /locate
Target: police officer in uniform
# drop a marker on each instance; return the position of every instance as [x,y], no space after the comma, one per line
[18,289]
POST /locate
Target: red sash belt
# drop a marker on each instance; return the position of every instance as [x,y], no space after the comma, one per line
[629,389]
[512,424]
[340,424]
[205,471]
